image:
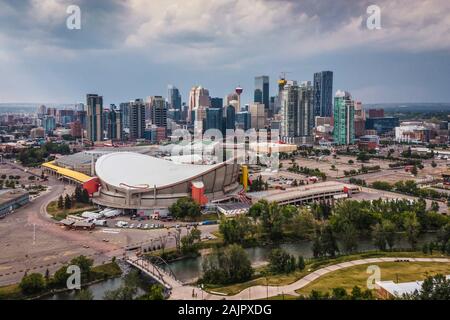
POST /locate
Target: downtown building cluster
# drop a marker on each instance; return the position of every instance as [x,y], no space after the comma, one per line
[303,113]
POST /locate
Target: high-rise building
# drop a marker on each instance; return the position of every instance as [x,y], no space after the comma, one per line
[124,110]
[217,103]
[158,111]
[258,115]
[297,113]
[173,97]
[137,119]
[261,94]
[243,120]
[360,119]
[344,119]
[214,118]
[230,120]
[198,97]
[114,125]
[306,111]
[323,94]
[41,111]
[94,118]
[49,123]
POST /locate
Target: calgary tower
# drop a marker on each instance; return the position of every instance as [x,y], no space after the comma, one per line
[239,91]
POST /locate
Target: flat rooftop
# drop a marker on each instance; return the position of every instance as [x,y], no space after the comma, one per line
[399,289]
[302,191]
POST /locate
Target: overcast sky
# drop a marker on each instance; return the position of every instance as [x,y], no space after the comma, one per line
[130,49]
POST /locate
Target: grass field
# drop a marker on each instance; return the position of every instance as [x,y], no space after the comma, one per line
[60,214]
[357,276]
[285,279]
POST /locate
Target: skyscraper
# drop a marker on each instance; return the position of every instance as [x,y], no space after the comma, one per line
[124,110]
[323,94]
[297,113]
[158,111]
[198,97]
[244,120]
[114,124]
[306,111]
[173,97]
[214,118]
[261,94]
[258,115]
[217,103]
[230,122]
[344,118]
[137,119]
[94,118]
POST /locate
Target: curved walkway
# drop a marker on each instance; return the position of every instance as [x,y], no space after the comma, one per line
[262,292]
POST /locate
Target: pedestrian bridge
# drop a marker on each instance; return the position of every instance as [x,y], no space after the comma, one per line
[152,267]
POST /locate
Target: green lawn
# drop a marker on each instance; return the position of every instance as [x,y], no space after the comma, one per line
[357,276]
[285,279]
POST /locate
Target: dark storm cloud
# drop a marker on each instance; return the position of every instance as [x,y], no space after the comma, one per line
[101,23]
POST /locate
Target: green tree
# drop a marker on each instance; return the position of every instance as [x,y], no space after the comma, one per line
[303,225]
[412,229]
[32,283]
[60,202]
[60,277]
[271,216]
[189,242]
[84,263]
[329,243]
[236,230]
[185,208]
[67,202]
[433,288]
[84,294]
[301,263]
[156,292]
[349,237]
[122,293]
[227,265]
[281,262]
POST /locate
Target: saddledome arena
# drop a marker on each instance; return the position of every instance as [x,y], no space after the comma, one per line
[136,181]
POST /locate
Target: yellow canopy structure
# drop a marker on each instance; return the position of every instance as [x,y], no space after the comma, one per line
[71,174]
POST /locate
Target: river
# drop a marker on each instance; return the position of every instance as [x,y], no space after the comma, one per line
[188,270]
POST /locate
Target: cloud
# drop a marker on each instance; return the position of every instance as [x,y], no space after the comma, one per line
[209,37]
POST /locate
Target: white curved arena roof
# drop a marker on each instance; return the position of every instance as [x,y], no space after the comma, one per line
[134,170]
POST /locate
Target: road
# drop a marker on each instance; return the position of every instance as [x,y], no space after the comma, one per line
[31,240]
[263,292]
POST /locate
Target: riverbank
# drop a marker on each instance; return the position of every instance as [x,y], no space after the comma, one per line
[99,273]
[311,265]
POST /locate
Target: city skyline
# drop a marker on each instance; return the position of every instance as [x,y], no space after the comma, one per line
[42,57]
